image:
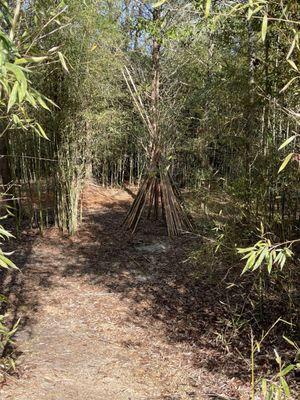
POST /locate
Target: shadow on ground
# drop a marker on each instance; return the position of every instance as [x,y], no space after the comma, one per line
[152,270]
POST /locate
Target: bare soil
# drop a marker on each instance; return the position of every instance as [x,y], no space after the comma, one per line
[108,315]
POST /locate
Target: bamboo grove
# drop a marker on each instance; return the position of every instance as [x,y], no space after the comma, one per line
[170,97]
[228,98]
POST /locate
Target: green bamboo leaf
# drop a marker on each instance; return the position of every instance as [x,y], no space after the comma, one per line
[246,256]
[20,61]
[17,71]
[283,261]
[288,252]
[250,262]
[51,101]
[4,85]
[287,370]
[245,250]
[30,99]
[291,48]
[292,63]
[285,162]
[42,103]
[250,13]
[270,263]
[53,49]
[290,342]
[277,357]
[37,59]
[6,262]
[285,387]
[41,131]
[159,3]
[13,96]
[207,8]
[264,386]
[264,27]
[3,264]
[278,258]
[21,93]
[260,259]
[63,61]
[288,141]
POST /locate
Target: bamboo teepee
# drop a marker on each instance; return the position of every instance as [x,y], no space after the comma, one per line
[158,192]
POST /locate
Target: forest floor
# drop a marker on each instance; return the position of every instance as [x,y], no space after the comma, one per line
[108,315]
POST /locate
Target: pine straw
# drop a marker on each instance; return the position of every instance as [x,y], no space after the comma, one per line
[93,331]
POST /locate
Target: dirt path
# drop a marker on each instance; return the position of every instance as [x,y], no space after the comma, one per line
[109,316]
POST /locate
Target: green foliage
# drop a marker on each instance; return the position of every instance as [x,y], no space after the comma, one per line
[18,97]
[6,331]
[6,339]
[276,387]
[159,3]
[264,255]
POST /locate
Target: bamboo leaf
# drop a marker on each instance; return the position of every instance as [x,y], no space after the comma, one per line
[51,101]
[41,131]
[252,12]
[17,71]
[37,59]
[21,61]
[264,386]
[245,250]
[287,369]
[42,103]
[13,96]
[291,48]
[159,3]
[6,262]
[283,261]
[30,99]
[246,256]
[30,59]
[285,162]
[277,357]
[288,252]
[63,61]
[270,263]
[260,259]
[285,386]
[288,141]
[288,84]
[264,27]
[250,262]
[22,93]
[292,63]
[290,342]
[53,49]
[207,8]
[278,257]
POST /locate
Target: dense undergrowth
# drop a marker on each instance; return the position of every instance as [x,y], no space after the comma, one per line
[260,309]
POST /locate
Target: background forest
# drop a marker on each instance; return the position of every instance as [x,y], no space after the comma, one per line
[77,106]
